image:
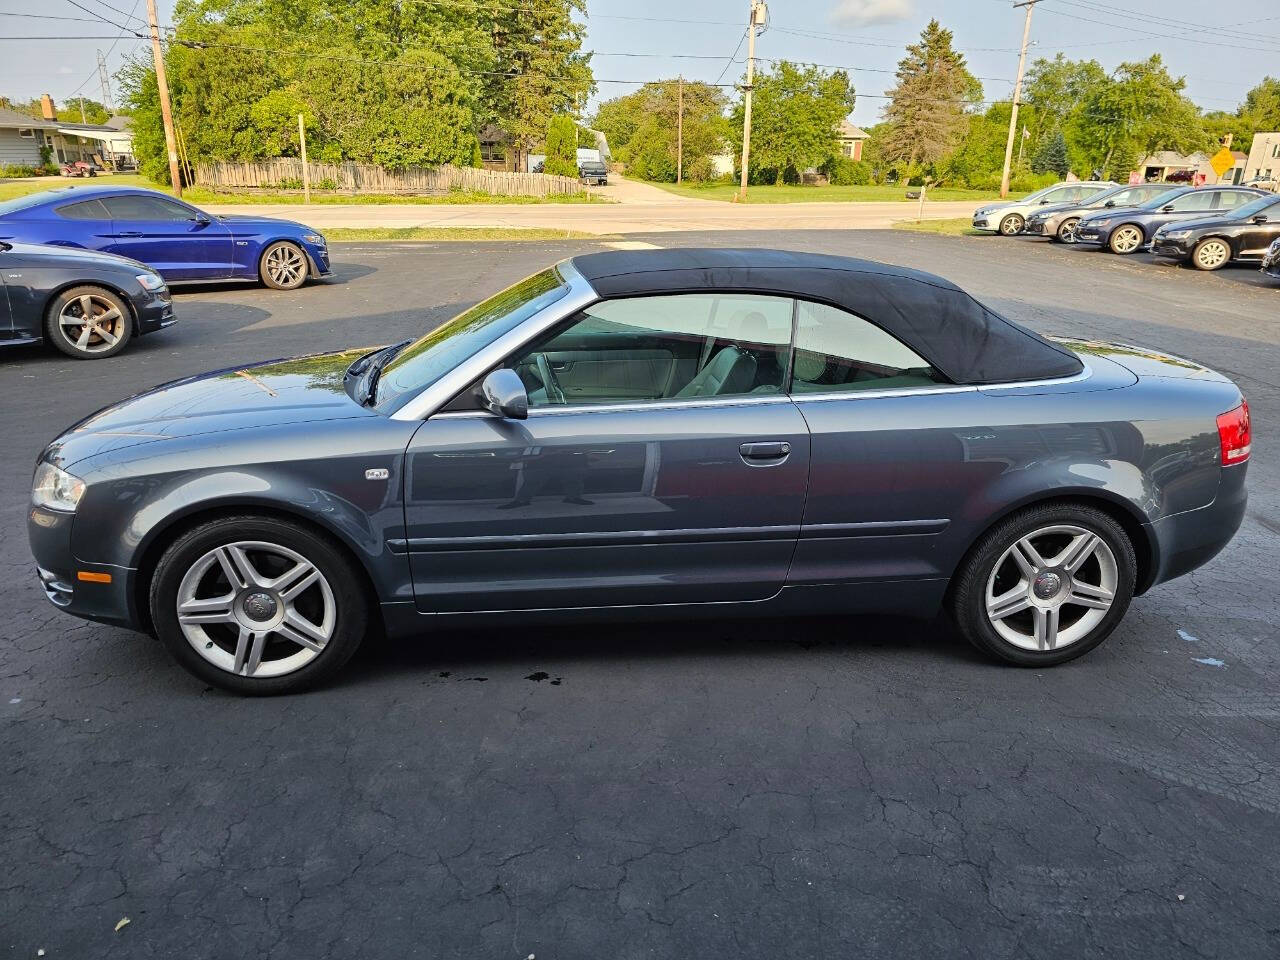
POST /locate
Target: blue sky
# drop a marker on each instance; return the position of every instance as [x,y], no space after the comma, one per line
[1222,56]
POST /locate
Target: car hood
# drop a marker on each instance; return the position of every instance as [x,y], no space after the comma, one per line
[275,393]
[44,254]
[244,221]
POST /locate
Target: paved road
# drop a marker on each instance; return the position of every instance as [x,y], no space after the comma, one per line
[643,208]
[830,788]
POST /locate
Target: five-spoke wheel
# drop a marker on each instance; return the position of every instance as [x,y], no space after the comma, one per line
[258,605]
[1011,225]
[88,323]
[1067,231]
[284,266]
[1046,585]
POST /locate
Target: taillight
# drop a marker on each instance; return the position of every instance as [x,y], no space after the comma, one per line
[1235,435]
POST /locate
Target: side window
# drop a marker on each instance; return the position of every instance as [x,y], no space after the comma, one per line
[1060,195]
[1230,199]
[1196,200]
[685,346]
[837,352]
[85,210]
[137,207]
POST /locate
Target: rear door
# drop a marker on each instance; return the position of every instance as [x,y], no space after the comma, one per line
[661,463]
[179,241]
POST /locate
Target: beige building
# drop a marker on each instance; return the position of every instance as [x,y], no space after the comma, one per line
[850,138]
[1264,157]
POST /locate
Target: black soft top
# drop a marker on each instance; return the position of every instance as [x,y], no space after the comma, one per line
[959,337]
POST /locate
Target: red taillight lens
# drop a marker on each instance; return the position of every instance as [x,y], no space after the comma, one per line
[1235,435]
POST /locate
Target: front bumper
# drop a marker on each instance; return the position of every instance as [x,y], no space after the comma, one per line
[982,223]
[1271,265]
[1189,540]
[1041,228]
[155,312]
[1176,249]
[1090,234]
[319,256]
[92,591]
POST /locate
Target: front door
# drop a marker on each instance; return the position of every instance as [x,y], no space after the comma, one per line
[175,239]
[661,463]
[1256,239]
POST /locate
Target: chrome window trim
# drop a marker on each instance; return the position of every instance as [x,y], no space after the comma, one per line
[581,295]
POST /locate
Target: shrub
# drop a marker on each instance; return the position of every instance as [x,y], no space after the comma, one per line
[20,170]
[700,170]
[1028,182]
[290,183]
[328,183]
[844,172]
[562,147]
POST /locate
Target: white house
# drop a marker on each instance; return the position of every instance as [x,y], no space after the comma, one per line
[1264,157]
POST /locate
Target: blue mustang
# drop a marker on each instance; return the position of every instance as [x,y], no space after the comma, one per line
[180,241]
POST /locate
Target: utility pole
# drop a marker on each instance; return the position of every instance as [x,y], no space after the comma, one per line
[166,111]
[756,19]
[1017,95]
[105,81]
[680,131]
[82,119]
[306,171]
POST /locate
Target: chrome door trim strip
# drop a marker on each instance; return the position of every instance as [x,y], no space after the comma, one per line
[619,538]
[877,528]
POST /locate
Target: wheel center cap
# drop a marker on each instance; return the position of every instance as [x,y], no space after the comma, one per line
[260,606]
[1047,585]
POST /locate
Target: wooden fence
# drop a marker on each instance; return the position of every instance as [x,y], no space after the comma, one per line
[285,173]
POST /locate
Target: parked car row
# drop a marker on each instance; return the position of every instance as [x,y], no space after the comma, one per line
[1207,227]
[86,269]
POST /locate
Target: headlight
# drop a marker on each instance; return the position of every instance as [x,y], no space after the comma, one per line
[151,281]
[1098,223]
[316,238]
[56,489]
[1174,234]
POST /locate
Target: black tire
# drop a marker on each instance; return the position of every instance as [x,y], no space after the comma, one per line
[968,601]
[1011,225]
[344,579]
[1202,259]
[1067,230]
[101,301]
[271,277]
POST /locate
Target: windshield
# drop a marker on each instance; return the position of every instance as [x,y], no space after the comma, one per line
[1255,207]
[1160,199]
[592,165]
[425,361]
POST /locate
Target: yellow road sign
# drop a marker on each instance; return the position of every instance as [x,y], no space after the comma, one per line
[1222,161]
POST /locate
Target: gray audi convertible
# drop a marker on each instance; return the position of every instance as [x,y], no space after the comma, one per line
[671,433]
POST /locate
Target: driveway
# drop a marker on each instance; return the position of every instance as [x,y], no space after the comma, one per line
[804,788]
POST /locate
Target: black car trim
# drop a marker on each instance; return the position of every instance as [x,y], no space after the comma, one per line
[593,539]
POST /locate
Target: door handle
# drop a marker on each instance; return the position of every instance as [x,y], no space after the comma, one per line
[129,233]
[764,451]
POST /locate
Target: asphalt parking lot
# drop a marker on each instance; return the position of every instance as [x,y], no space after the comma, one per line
[811,788]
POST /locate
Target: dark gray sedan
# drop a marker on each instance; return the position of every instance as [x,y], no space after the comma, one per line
[1130,230]
[670,433]
[1059,222]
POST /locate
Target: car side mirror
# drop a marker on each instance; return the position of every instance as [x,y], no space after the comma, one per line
[1167,208]
[1261,218]
[1043,202]
[502,392]
[1109,203]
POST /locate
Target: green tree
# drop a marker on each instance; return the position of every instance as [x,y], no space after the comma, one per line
[539,68]
[562,147]
[94,112]
[1051,156]
[1138,110]
[641,128]
[928,110]
[795,118]
[1054,92]
[978,160]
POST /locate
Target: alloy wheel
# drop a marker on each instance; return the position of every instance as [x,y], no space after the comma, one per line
[1211,254]
[91,323]
[1067,232]
[256,609]
[1011,225]
[285,265]
[1126,240]
[1052,587]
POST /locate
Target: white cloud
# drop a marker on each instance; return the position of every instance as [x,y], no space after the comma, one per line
[863,13]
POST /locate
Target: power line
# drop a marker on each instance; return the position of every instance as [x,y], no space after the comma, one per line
[1151,35]
[733,57]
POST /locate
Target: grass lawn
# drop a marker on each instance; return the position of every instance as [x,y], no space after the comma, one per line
[355,234]
[960,227]
[200,195]
[788,193]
